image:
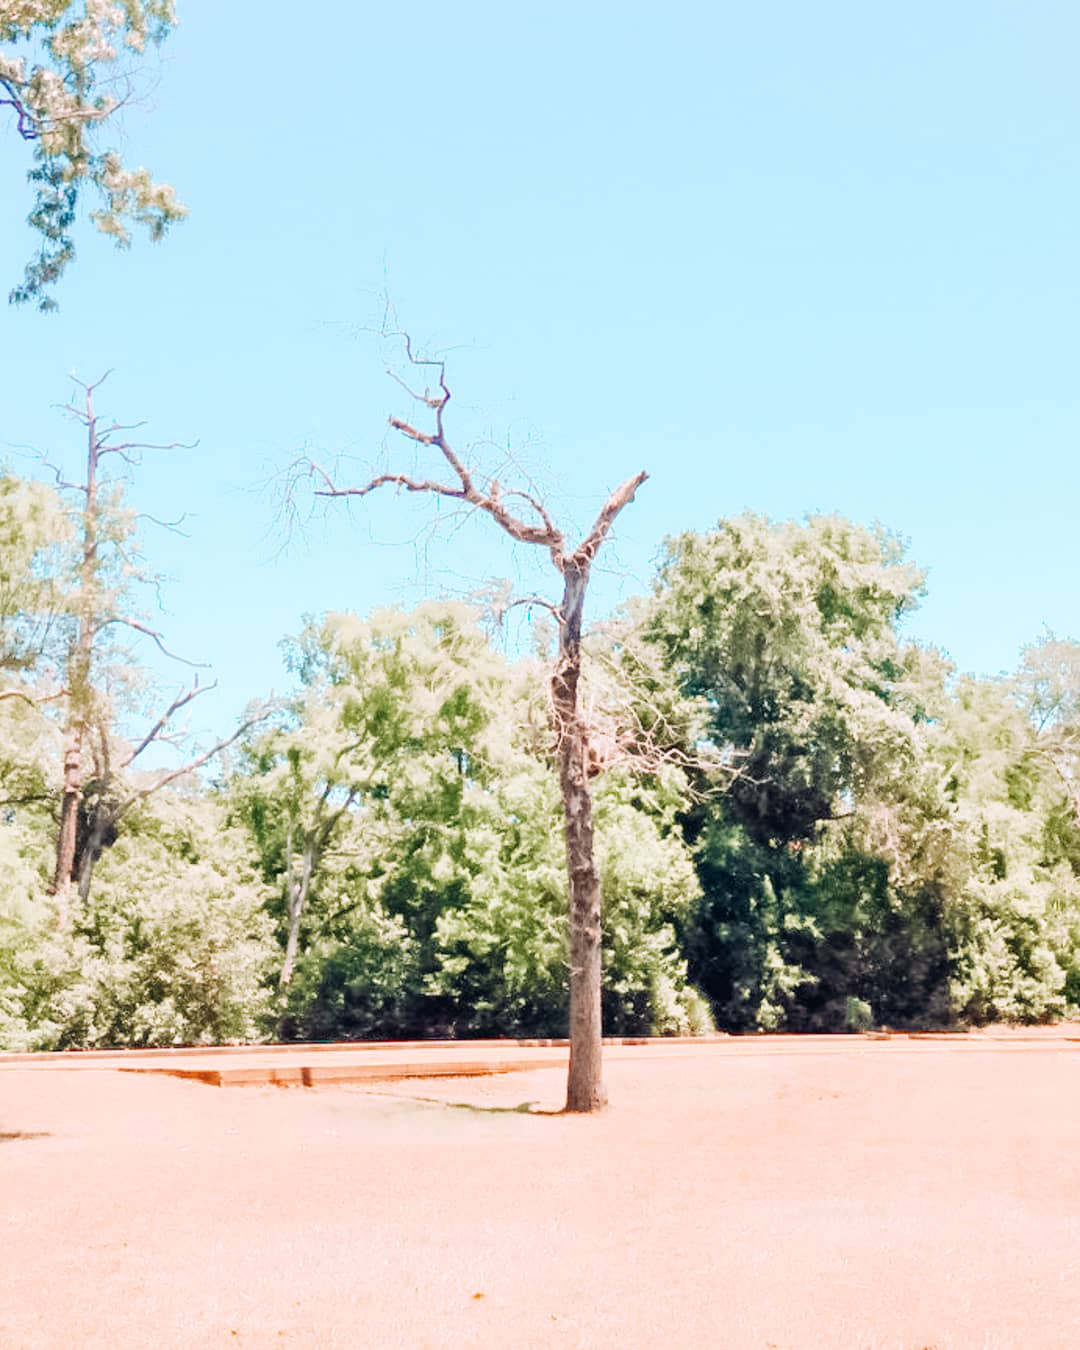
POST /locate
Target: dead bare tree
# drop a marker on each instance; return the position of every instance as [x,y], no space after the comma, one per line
[113,794]
[104,568]
[530,523]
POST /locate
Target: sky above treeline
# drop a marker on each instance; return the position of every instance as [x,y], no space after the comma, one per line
[787,258]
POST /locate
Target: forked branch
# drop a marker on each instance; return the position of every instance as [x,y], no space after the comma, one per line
[157,731]
[463,487]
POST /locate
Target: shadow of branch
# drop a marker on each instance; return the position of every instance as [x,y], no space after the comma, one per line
[522,1109]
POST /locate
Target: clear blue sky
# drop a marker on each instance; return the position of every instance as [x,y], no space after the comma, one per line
[785,257]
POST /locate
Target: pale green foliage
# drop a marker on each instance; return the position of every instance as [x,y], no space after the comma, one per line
[173,946]
[896,846]
[33,532]
[499,948]
[61,95]
[649,884]
[786,635]
[81,592]
[789,633]
[440,897]
[889,850]
[1014,914]
[499,940]
[23,926]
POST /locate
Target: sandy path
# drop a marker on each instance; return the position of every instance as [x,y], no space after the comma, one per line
[865,1200]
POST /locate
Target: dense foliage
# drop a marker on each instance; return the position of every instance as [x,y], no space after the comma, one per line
[804,820]
[66,68]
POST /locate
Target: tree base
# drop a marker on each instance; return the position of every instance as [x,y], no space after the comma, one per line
[585,1102]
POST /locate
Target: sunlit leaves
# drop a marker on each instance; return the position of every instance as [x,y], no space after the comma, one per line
[59,97]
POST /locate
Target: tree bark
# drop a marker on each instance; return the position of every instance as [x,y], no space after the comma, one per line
[585,1087]
[100,827]
[69,820]
[80,657]
[298,894]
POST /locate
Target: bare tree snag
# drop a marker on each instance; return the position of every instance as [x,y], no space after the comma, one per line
[79,661]
[85,827]
[585,1088]
[107,811]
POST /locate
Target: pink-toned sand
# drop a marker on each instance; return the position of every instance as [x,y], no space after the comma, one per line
[891,1194]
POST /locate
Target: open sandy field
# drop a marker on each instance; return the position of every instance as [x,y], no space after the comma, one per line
[874,1195]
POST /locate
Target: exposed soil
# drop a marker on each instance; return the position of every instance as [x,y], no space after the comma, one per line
[887,1199]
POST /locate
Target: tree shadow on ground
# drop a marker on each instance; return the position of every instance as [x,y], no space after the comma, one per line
[522,1108]
[9,1136]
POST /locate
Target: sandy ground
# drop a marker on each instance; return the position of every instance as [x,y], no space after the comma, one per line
[882,1200]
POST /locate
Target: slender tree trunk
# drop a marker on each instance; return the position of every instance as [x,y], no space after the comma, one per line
[585,1086]
[298,893]
[69,820]
[99,830]
[66,838]
[80,657]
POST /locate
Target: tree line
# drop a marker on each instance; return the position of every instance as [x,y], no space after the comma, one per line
[803,819]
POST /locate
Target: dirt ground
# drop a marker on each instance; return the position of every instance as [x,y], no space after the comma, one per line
[888,1198]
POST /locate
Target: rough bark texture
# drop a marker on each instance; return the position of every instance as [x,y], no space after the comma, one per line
[79,662]
[69,819]
[86,724]
[585,1088]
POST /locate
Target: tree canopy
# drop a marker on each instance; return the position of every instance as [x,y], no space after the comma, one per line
[65,72]
[382,854]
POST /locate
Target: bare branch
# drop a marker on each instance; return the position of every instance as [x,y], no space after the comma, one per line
[165,779]
[121,426]
[58,475]
[425,398]
[172,525]
[532,501]
[153,634]
[492,501]
[407,430]
[127,449]
[622,496]
[26,124]
[88,389]
[155,733]
[399,480]
[32,699]
[528,601]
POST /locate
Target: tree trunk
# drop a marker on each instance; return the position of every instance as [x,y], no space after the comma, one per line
[101,826]
[80,658]
[585,1086]
[298,893]
[69,820]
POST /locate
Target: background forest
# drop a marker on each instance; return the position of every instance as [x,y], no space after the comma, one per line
[734,251]
[805,820]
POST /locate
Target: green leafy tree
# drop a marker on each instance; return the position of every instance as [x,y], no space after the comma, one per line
[62,80]
[436,901]
[172,947]
[385,707]
[34,533]
[1014,910]
[787,636]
